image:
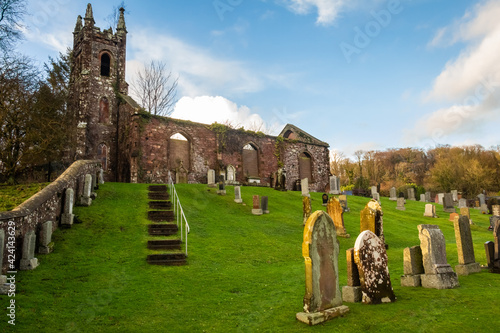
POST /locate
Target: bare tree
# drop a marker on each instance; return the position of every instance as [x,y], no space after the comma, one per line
[11,13]
[156,89]
[112,19]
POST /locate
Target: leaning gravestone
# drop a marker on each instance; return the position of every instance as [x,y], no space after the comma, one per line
[462,203]
[343,203]
[67,216]
[306,208]
[448,205]
[392,194]
[264,204]
[430,211]
[371,258]
[46,246]
[413,267]
[422,198]
[336,212]
[352,292]
[320,249]
[324,197]
[237,194]
[401,204]
[85,199]
[28,261]
[304,184]
[438,273]
[256,206]
[411,194]
[465,248]
[371,219]
[493,250]
[334,185]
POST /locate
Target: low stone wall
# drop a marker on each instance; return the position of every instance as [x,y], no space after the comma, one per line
[46,205]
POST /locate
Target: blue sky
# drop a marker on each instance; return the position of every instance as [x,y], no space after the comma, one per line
[358,74]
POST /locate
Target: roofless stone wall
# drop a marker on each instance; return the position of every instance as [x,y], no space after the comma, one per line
[46,205]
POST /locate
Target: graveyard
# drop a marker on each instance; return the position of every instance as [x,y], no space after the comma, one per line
[244,272]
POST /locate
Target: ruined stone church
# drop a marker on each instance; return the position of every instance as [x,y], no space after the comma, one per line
[135,146]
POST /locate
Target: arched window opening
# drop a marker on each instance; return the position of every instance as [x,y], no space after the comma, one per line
[102,155]
[104,110]
[305,166]
[290,135]
[250,161]
[105,64]
[179,151]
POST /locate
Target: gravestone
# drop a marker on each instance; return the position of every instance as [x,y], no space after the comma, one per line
[392,194]
[306,209]
[320,249]
[440,198]
[256,206]
[454,194]
[374,190]
[222,188]
[304,184]
[413,267]
[493,250]
[430,211]
[411,194]
[371,258]
[438,273]
[453,217]
[422,198]
[95,185]
[465,248]
[67,216]
[4,287]
[483,209]
[101,176]
[466,212]
[427,196]
[324,197]
[264,204]
[343,203]
[448,205]
[376,196]
[462,203]
[352,292]
[211,178]
[493,220]
[237,194]
[401,204]
[231,174]
[336,212]
[482,199]
[181,174]
[371,218]
[46,246]
[28,261]
[495,210]
[85,199]
[334,185]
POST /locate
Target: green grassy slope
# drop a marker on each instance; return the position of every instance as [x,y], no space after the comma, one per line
[245,273]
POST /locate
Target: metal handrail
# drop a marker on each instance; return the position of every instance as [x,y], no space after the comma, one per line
[178,212]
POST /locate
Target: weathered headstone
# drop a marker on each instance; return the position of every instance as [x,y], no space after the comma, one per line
[413,267]
[211,178]
[482,199]
[28,261]
[448,205]
[343,203]
[222,188]
[454,194]
[401,204]
[336,212]
[465,248]
[101,176]
[304,184]
[256,206]
[231,174]
[427,196]
[46,245]
[411,194]
[181,174]
[371,219]
[85,199]
[376,196]
[438,273]
[440,198]
[264,204]
[324,197]
[371,258]
[334,185]
[453,217]
[462,203]
[306,208]
[374,190]
[237,194]
[352,292]
[320,249]
[392,194]
[67,216]
[466,212]
[430,211]
[483,209]
[493,250]
[95,184]
[422,198]
[493,220]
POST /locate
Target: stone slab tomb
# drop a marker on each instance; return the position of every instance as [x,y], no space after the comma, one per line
[306,209]
[28,261]
[352,292]
[320,249]
[237,194]
[465,247]
[371,259]
[256,210]
[336,212]
[211,178]
[371,218]
[413,267]
[401,204]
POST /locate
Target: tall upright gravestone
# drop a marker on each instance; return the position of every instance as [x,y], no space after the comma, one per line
[371,219]
[85,199]
[264,204]
[493,250]
[465,248]
[46,245]
[306,208]
[211,178]
[343,202]
[371,258]
[237,194]
[334,185]
[422,198]
[448,205]
[336,212]
[392,194]
[67,216]
[304,185]
[320,249]
[411,194]
[413,267]
[28,261]
[256,209]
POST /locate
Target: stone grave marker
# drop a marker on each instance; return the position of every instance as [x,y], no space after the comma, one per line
[256,206]
[483,209]
[231,174]
[430,211]
[448,205]
[46,246]
[392,194]
[466,212]
[411,194]
[462,203]
[343,202]
[85,199]
[67,216]
[440,198]
[465,248]
[438,273]
[401,204]
[101,176]
[376,196]
[371,218]
[453,217]
[237,194]
[336,212]
[482,199]
[95,185]
[211,178]
[28,261]
[427,196]
[422,198]
[222,188]
[454,194]
[374,190]
[493,250]
[320,249]
[413,267]
[334,185]
[306,208]
[304,185]
[352,292]
[324,197]
[493,220]
[371,258]
[264,204]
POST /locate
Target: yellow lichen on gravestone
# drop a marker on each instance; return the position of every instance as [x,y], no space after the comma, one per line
[367,220]
[336,212]
[306,207]
[308,229]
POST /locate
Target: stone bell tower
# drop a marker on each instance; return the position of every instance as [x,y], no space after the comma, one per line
[97,81]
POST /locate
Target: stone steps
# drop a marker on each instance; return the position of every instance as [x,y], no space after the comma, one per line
[165,229]
[161,215]
[167,244]
[160,205]
[167,259]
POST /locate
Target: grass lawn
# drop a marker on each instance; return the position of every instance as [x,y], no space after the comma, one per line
[14,195]
[245,273]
